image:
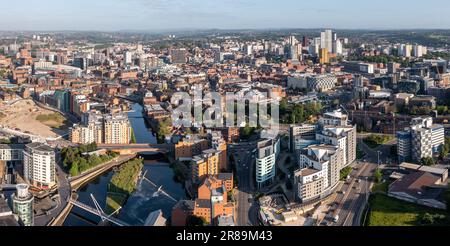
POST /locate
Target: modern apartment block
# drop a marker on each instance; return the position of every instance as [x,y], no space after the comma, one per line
[421,139]
[342,136]
[205,164]
[318,175]
[334,118]
[303,131]
[39,165]
[266,156]
[108,129]
[117,129]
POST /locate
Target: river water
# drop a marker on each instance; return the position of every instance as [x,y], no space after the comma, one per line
[146,198]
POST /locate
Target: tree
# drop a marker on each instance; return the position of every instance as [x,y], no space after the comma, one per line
[193,220]
[133,137]
[74,169]
[378,175]
[427,161]
[247,131]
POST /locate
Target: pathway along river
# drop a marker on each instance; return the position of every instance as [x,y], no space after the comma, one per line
[142,201]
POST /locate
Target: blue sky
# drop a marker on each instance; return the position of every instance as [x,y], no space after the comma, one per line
[111,15]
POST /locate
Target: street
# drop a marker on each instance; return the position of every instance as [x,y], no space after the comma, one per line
[244,161]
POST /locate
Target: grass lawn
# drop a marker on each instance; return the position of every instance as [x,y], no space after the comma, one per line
[54,120]
[114,201]
[373,141]
[387,211]
[382,187]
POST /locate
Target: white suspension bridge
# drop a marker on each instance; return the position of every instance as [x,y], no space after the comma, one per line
[105,217]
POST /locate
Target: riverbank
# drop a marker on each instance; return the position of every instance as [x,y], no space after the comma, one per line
[122,184]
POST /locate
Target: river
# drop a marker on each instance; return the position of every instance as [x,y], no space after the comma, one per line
[145,199]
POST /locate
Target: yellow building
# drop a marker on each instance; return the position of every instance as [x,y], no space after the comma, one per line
[323,55]
[86,134]
[205,164]
[117,129]
[190,147]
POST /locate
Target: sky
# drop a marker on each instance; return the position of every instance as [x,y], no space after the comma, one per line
[116,15]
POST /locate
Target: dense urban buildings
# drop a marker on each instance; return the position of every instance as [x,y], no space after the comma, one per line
[344,117]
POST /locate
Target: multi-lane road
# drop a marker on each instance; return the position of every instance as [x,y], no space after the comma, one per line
[244,160]
[354,193]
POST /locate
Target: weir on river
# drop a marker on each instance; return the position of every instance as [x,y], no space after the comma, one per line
[143,200]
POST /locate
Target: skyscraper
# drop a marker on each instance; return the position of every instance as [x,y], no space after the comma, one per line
[326,40]
[127,56]
[266,155]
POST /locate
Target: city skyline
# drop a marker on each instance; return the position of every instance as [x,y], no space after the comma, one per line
[156,15]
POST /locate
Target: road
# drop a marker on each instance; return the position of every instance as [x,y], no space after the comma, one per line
[64,191]
[244,161]
[352,196]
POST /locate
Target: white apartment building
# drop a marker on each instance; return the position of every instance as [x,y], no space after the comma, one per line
[319,172]
[117,129]
[342,136]
[39,165]
[334,118]
[266,156]
[422,139]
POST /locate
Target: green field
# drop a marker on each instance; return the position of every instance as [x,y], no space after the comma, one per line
[54,120]
[373,141]
[380,187]
[387,211]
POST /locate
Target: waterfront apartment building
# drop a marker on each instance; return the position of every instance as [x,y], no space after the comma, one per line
[189,147]
[205,164]
[117,129]
[23,204]
[108,129]
[39,165]
[86,134]
[301,132]
[319,172]
[266,156]
[422,139]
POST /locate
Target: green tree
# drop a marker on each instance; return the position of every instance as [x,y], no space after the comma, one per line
[133,137]
[378,175]
[427,161]
[195,221]
[74,169]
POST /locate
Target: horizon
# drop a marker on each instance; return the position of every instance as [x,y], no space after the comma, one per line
[167,30]
[149,15]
